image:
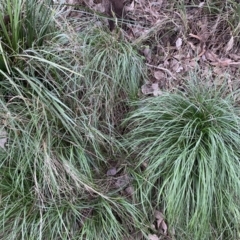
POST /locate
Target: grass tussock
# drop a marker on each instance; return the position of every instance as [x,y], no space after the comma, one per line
[188,141]
[29,24]
[56,116]
[112,70]
[51,185]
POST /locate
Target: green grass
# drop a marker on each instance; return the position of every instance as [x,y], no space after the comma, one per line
[189,142]
[23,25]
[51,185]
[112,69]
[56,105]
[66,88]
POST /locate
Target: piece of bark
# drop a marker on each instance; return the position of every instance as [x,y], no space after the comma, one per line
[116,7]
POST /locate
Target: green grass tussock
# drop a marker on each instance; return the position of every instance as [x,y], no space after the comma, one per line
[50,166]
[112,70]
[189,141]
[60,135]
[23,24]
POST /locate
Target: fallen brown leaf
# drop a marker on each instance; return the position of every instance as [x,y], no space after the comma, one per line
[163,69]
[130,7]
[159,75]
[176,65]
[153,237]
[179,43]
[229,45]
[122,181]
[156,90]
[112,172]
[211,56]
[129,190]
[160,222]
[147,53]
[149,88]
[164,227]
